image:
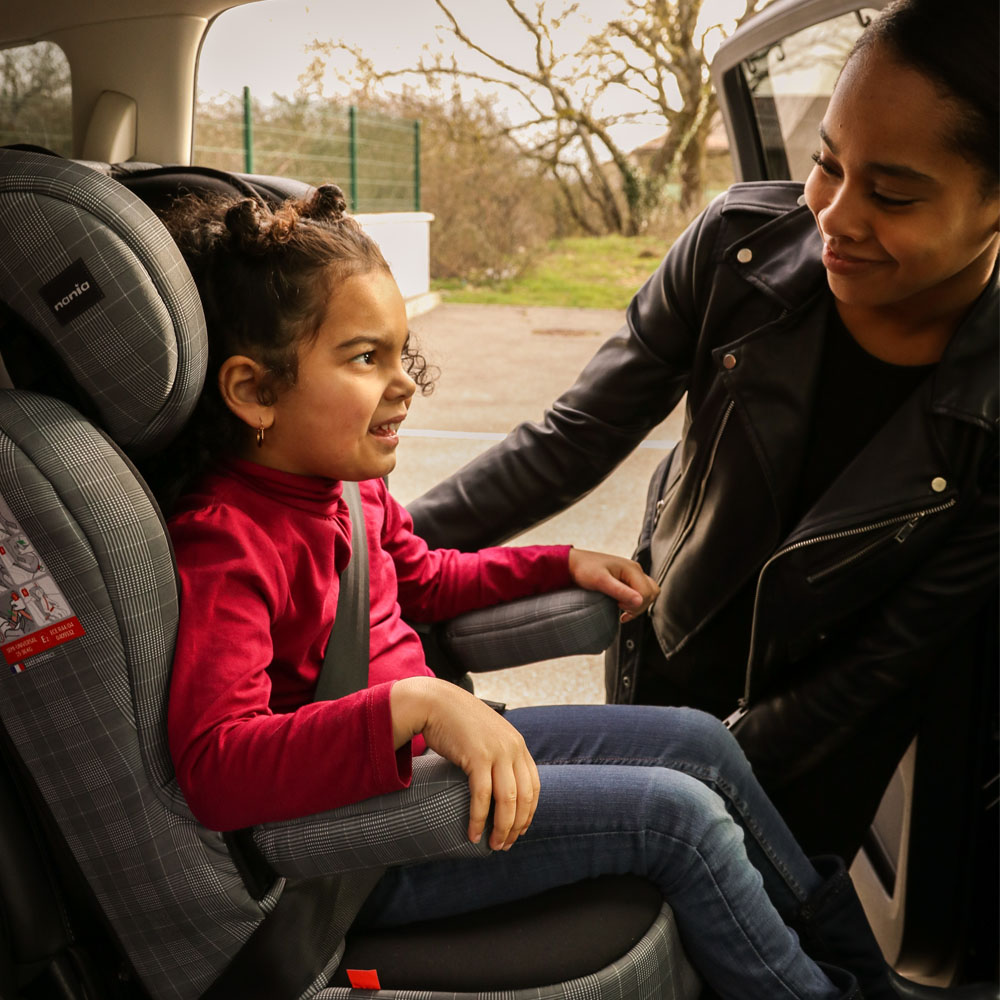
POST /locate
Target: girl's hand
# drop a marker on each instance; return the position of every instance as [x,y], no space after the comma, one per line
[481,742]
[622,579]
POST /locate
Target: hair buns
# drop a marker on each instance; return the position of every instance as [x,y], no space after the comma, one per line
[327,203]
[244,222]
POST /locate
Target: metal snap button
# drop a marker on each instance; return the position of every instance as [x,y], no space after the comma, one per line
[745,255]
[729,362]
[939,485]
[630,644]
[626,681]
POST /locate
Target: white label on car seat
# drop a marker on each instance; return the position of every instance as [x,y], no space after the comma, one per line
[34,615]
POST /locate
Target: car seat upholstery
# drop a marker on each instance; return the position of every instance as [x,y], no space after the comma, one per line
[99,310]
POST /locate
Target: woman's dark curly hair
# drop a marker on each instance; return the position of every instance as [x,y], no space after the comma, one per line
[264,277]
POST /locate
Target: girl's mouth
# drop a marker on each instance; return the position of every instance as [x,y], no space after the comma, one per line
[387,431]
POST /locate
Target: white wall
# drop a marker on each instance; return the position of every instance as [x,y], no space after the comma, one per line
[404,238]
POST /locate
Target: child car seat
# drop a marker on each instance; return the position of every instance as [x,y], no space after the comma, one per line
[102,324]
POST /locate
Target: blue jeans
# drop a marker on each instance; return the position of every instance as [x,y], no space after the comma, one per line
[665,793]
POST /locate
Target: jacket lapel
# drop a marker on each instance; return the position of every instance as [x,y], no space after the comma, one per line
[771,372]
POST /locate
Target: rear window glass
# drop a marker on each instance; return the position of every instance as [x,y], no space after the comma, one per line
[277,128]
[791,83]
[35,97]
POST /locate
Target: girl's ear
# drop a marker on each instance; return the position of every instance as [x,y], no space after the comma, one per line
[240,378]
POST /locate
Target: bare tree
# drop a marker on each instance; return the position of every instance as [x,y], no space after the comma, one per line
[656,51]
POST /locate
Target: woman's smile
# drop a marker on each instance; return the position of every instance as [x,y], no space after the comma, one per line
[845,264]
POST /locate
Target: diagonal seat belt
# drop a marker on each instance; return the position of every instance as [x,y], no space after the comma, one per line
[292,945]
[345,663]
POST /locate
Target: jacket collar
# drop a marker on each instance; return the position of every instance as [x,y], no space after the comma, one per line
[783,260]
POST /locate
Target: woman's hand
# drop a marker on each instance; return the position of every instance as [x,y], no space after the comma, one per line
[481,742]
[622,579]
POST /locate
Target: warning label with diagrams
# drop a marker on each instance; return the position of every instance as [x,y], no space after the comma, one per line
[34,615]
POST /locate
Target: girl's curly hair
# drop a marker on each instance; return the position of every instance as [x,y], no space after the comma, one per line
[264,276]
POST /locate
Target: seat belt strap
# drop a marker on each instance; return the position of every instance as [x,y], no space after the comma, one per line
[345,663]
[295,942]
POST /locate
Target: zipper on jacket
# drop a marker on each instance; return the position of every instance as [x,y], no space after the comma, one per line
[899,536]
[907,523]
[693,515]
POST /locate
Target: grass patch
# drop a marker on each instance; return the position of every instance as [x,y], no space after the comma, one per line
[596,272]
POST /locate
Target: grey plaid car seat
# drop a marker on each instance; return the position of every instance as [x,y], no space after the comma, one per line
[99,317]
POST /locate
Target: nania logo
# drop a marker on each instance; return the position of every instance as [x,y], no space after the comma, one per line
[71,292]
[67,299]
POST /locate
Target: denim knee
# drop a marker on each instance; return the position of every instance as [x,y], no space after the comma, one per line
[712,742]
[693,820]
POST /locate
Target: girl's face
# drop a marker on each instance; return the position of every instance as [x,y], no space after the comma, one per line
[904,220]
[340,419]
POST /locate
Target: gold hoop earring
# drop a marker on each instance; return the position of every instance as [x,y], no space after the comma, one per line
[260,432]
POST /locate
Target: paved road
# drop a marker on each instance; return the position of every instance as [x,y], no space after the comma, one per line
[501,365]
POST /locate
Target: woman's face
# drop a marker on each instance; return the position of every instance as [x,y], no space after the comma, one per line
[904,219]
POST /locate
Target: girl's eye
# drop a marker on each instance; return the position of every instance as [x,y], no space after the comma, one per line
[366,358]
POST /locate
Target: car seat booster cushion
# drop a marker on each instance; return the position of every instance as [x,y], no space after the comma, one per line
[89,268]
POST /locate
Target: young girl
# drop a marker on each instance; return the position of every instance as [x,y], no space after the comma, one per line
[311,375]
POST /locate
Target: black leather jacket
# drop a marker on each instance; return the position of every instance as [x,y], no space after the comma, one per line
[856,599]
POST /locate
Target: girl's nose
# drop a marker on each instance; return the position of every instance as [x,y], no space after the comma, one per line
[402,386]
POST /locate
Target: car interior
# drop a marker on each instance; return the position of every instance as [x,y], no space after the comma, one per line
[108,886]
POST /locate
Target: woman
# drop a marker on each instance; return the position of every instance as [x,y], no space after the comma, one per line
[828,524]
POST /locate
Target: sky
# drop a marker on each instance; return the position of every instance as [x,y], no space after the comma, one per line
[262,45]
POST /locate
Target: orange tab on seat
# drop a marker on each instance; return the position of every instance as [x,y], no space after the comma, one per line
[364,979]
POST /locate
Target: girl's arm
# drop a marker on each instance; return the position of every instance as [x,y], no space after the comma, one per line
[619,578]
[437,584]
[482,743]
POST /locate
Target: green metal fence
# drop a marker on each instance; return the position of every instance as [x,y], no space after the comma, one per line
[375,158]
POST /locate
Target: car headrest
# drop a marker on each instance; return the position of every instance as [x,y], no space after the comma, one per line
[91,281]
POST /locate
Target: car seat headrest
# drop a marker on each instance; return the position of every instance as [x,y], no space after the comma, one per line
[158,186]
[95,277]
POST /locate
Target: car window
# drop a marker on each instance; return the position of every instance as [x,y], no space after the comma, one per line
[35,97]
[280,129]
[790,84]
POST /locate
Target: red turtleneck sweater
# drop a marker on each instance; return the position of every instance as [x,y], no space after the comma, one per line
[259,553]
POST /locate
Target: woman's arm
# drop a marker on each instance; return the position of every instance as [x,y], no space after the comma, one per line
[631,384]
